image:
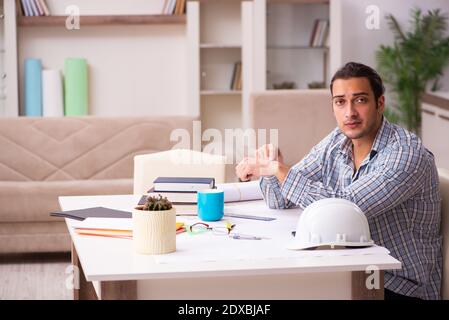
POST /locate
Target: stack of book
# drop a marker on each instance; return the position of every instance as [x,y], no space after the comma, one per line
[319,34]
[236,81]
[180,190]
[36,8]
[177,7]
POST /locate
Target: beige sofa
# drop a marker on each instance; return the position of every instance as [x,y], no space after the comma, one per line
[303,118]
[43,158]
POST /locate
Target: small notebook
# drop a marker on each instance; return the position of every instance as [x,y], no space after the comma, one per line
[96,212]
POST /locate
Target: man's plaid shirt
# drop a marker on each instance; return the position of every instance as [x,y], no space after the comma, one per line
[396,187]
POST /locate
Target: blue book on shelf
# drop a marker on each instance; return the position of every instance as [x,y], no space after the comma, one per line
[24,8]
[182,184]
[34,8]
[33,88]
[28,8]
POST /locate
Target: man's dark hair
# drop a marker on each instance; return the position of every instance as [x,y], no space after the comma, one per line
[358,70]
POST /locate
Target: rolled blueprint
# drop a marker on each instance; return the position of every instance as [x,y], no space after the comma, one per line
[241,191]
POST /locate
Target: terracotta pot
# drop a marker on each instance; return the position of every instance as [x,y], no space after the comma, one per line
[154,232]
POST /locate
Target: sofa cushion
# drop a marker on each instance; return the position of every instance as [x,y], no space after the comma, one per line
[34,200]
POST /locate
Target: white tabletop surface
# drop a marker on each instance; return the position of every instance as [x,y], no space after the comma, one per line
[110,259]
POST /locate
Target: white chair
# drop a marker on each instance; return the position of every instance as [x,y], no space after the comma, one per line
[444,191]
[176,163]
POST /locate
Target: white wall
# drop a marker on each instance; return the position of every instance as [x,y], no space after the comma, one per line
[360,44]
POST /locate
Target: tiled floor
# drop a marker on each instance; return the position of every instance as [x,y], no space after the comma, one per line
[37,276]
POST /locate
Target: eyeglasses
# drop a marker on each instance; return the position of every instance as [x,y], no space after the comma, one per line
[201,227]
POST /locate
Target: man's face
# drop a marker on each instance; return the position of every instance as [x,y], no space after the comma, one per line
[355,107]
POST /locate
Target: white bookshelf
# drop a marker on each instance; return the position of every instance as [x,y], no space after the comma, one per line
[9,96]
[182,68]
[136,57]
[289,54]
[215,46]
[2,61]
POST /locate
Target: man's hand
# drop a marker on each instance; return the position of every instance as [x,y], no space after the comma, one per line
[268,162]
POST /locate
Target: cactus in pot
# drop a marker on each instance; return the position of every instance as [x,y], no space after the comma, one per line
[154,226]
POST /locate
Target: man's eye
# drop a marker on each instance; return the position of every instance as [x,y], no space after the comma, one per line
[339,102]
[361,100]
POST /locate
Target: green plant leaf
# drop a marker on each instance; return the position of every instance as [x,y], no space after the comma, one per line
[415,61]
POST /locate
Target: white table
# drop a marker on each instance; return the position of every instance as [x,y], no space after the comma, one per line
[255,269]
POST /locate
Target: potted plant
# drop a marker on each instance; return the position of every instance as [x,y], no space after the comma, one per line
[154,226]
[414,64]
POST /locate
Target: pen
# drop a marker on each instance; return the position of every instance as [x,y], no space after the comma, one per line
[245,236]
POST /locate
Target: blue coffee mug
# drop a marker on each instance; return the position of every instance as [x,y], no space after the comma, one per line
[210,204]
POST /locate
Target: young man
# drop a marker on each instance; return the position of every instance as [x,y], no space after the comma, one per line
[379,166]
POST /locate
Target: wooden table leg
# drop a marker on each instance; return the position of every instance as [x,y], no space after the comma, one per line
[118,290]
[109,290]
[84,290]
[360,290]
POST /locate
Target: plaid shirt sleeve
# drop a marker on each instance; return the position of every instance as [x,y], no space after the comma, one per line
[398,177]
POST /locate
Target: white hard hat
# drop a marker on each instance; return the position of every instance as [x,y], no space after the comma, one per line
[331,222]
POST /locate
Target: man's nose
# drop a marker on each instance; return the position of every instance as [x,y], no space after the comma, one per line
[350,111]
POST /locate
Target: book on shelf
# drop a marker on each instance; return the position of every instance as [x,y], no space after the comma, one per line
[319,34]
[174,7]
[34,8]
[39,8]
[180,7]
[45,7]
[182,184]
[236,81]
[26,8]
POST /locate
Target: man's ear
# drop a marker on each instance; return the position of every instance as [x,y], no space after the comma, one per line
[381,104]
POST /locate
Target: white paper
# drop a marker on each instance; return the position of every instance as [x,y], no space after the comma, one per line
[52,101]
[241,191]
[210,248]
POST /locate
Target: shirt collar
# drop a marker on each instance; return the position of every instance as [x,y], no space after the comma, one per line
[380,141]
